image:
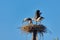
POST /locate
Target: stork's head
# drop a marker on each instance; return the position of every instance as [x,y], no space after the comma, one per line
[38,11]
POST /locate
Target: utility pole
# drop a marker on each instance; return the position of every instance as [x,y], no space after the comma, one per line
[34,29]
[34,35]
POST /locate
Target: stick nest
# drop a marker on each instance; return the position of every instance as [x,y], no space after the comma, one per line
[31,28]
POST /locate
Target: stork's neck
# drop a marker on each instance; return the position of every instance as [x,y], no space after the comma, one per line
[30,22]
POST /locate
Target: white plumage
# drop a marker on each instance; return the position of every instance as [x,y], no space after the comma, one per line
[37,17]
[28,20]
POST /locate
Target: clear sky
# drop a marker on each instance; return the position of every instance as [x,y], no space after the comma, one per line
[12,12]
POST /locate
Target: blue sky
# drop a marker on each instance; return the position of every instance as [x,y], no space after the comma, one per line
[12,12]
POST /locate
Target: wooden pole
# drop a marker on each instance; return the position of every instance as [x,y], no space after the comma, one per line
[34,35]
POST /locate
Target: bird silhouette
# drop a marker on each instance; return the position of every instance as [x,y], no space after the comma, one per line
[37,17]
[29,20]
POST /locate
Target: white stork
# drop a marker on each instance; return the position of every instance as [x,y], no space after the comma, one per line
[38,17]
[28,20]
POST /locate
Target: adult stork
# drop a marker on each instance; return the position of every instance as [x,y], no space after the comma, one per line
[28,20]
[38,17]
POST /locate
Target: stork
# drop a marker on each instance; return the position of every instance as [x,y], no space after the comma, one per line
[28,20]
[38,17]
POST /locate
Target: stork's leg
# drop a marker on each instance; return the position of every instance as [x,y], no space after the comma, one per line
[36,22]
[40,22]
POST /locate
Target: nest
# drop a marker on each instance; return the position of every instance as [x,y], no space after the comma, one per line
[31,28]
